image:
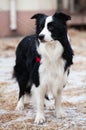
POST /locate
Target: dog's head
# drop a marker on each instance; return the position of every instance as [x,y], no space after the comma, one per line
[50,28]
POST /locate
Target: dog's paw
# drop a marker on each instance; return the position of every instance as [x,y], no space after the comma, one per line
[40,119]
[19,107]
[49,104]
[60,114]
[50,107]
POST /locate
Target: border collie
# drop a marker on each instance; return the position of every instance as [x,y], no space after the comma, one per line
[43,61]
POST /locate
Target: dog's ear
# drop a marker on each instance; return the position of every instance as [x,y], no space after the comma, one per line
[62,16]
[38,16]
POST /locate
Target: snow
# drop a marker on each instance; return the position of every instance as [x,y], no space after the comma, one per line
[76,78]
[3,111]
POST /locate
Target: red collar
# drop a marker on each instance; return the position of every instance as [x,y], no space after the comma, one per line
[38,59]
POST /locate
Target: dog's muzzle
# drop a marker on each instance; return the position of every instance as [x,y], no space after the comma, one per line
[41,38]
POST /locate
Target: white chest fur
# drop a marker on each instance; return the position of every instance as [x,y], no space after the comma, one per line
[51,51]
[51,70]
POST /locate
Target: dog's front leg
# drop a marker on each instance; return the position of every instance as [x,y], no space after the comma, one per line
[58,96]
[40,118]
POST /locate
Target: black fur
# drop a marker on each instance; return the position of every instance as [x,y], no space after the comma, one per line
[26,67]
[40,20]
[59,32]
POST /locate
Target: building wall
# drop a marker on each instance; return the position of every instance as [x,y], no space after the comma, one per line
[24,10]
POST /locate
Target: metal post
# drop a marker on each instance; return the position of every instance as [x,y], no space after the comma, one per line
[13,24]
[65,4]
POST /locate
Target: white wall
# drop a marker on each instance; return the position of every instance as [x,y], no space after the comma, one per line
[30,4]
[36,4]
[4,5]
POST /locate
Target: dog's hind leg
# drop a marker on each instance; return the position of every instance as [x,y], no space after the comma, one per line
[22,90]
[49,102]
[28,94]
[20,104]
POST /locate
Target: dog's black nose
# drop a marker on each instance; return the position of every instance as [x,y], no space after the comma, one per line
[41,37]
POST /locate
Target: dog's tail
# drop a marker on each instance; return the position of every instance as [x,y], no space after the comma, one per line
[13,74]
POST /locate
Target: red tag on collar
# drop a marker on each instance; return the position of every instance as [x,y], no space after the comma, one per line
[38,59]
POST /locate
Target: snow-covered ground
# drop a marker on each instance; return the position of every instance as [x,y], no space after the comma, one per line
[73,100]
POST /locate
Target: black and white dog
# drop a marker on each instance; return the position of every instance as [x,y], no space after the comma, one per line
[43,61]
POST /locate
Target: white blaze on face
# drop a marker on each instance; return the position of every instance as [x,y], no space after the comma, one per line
[45,31]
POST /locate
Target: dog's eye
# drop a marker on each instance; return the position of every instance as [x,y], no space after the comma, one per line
[50,26]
